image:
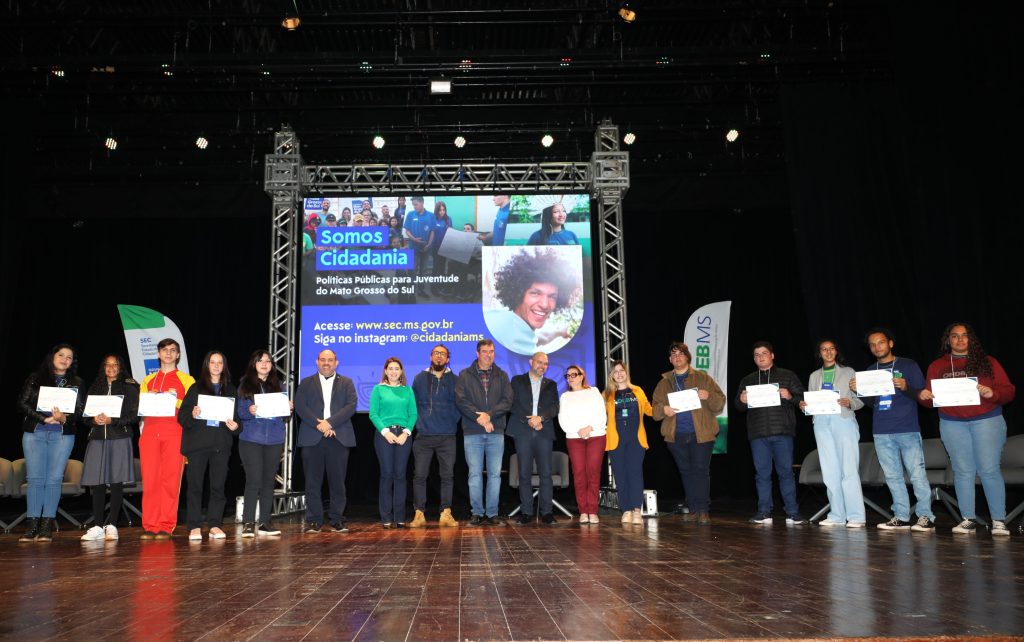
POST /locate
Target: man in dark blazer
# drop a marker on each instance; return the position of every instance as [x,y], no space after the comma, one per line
[531,426]
[325,403]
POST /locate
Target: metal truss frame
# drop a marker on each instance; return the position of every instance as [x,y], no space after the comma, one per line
[287,180]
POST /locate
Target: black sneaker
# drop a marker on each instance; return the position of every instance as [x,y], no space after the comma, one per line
[795,519]
[923,525]
[339,527]
[524,518]
[761,518]
[895,524]
[476,520]
[313,527]
[547,518]
[265,530]
[966,527]
[249,530]
[497,520]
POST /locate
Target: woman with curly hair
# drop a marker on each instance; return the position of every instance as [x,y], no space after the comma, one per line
[973,435]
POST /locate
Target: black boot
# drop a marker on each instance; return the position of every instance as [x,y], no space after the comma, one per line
[31,530]
[45,530]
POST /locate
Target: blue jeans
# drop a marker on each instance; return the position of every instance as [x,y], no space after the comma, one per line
[839,453]
[628,467]
[777,450]
[46,457]
[482,450]
[394,464]
[693,460]
[975,448]
[896,451]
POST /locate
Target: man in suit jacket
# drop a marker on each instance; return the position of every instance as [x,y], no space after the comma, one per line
[325,403]
[531,426]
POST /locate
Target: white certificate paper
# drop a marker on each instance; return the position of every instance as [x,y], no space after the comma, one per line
[821,402]
[272,404]
[763,395]
[959,391]
[214,408]
[684,400]
[874,383]
[109,405]
[51,397]
[158,404]
[458,246]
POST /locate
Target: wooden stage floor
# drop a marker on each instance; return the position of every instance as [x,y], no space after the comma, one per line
[664,580]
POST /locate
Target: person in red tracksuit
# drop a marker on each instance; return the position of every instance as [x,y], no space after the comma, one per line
[160,447]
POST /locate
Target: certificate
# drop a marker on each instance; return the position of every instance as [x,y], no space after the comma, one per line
[214,408]
[874,383]
[684,400]
[821,402]
[109,405]
[959,391]
[763,395]
[272,404]
[458,246]
[51,397]
[158,404]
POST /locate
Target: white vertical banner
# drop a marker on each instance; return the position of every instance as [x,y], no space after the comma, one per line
[143,330]
[707,335]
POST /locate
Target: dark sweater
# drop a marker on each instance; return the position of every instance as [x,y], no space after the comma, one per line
[119,427]
[436,413]
[774,420]
[195,434]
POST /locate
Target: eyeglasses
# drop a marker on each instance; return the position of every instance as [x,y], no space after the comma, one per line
[439,353]
[571,375]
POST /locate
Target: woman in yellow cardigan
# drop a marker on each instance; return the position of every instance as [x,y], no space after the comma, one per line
[626,405]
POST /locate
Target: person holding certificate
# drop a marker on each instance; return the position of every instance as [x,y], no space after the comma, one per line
[160,444]
[393,414]
[582,415]
[838,438]
[769,395]
[898,435]
[973,433]
[687,403]
[261,441]
[208,428]
[109,458]
[51,416]
[626,440]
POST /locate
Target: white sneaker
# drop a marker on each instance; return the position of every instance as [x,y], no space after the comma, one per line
[999,528]
[93,534]
[594,519]
[195,535]
[584,518]
[110,532]
[855,524]
[828,523]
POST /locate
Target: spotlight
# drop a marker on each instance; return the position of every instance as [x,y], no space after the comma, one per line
[202,143]
[732,135]
[547,141]
[627,12]
[111,143]
[440,86]
[629,138]
[460,142]
[291,23]
[378,142]
[57,71]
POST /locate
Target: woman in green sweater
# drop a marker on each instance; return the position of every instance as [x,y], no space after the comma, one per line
[393,413]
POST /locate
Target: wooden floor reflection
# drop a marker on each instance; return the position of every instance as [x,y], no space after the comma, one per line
[664,580]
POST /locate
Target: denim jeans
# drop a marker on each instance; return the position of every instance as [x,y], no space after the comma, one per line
[46,457]
[839,453]
[896,451]
[394,466]
[693,460]
[484,450]
[628,467]
[975,448]
[777,450]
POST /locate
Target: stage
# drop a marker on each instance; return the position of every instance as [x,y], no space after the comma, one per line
[668,579]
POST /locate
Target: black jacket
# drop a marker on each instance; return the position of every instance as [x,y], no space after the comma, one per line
[774,420]
[120,427]
[195,434]
[28,398]
[522,407]
[471,399]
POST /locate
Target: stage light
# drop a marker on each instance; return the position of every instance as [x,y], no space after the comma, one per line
[627,11]
[629,138]
[440,86]
[291,22]
[57,71]
[565,62]
[466,63]
[111,143]
[202,143]
[547,141]
[378,142]
[460,142]
[732,135]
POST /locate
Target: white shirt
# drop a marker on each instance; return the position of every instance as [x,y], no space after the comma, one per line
[581,408]
[327,385]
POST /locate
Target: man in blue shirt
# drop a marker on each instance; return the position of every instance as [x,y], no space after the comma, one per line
[418,224]
[898,435]
[497,235]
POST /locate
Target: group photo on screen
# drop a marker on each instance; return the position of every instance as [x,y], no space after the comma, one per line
[381,275]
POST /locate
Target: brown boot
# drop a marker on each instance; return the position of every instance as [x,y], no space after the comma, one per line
[419,521]
[446,518]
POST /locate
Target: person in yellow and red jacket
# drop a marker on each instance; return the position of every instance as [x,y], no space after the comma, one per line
[160,447]
[626,440]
